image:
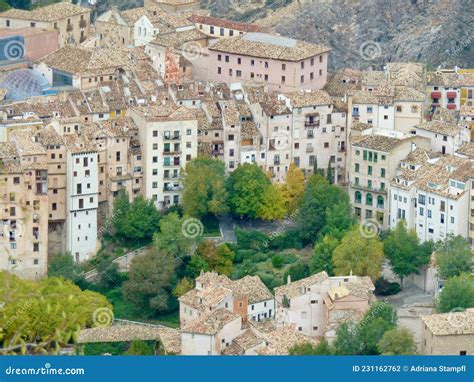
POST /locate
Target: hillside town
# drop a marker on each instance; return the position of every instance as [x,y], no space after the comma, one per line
[208,187]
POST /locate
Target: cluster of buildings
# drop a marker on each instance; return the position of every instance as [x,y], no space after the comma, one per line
[90,109]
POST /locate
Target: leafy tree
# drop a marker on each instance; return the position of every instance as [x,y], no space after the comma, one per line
[397,341]
[4,6]
[195,266]
[307,348]
[138,347]
[329,174]
[293,188]
[173,238]
[322,255]
[151,280]
[404,251]
[204,188]
[109,275]
[380,318]
[319,196]
[247,186]
[136,221]
[453,257]
[273,204]
[40,317]
[277,261]
[358,254]
[297,272]
[339,220]
[63,265]
[182,287]
[218,258]
[347,341]
[457,294]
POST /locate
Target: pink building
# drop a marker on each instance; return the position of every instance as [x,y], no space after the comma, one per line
[37,44]
[282,63]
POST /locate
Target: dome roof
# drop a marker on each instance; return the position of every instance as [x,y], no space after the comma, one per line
[24,83]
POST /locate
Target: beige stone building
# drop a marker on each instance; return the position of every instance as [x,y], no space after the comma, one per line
[221,28]
[448,333]
[24,206]
[71,21]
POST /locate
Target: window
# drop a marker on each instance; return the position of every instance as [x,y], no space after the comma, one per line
[219,57]
[219,70]
[283,66]
[239,60]
[357,167]
[302,79]
[238,73]
[368,199]
[369,170]
[358,197]
[283,78]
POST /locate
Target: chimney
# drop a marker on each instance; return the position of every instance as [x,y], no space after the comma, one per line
[288,279]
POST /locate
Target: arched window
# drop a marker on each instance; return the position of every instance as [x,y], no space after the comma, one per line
[380,201]
[368,199]
[139,31]
[358,197]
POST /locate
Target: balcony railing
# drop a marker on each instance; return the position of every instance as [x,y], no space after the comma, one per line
[172,137]
[311,123]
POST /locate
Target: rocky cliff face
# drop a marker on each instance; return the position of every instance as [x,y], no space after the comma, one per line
[369,33]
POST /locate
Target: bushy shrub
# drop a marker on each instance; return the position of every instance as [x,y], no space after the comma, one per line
[286,240]
[255,240]
[277,261]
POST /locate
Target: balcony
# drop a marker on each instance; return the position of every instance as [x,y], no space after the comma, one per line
[218,152]
[311,123]
[451,95]
[171,188]
[451,106]
[436,95]
[276,162]
[172,164]
[172,152]
[172,137]
[309,149]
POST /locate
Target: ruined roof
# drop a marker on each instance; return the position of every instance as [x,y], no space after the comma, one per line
[299,287]
[47,13]
[211,323]
[264,45]
[450,324]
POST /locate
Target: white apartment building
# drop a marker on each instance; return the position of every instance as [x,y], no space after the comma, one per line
[82,197]
[431,192]
[446,137]
[168,134]
[374,159]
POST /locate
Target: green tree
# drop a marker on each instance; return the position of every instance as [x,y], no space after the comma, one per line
[46,314]
[138,347]
[136,221]
[358,254]
[339,220]
[4,6]
[63,265]
[195,266]
[380,318]
[457,294]
[109,275]
[318,197]
[273,204]
[397,341]
[218,258]
[329,174]
[204,188]
[247,186]
[184,285]
[453,257]
[404,251]
[347,341]
[177,235]
[322,255]
[307,348]
[151,280]
[297,272]
[293,188]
